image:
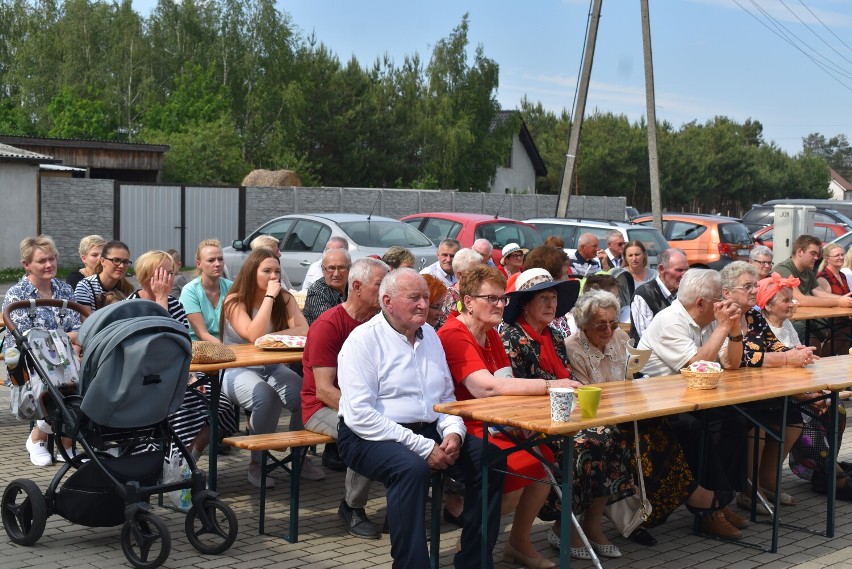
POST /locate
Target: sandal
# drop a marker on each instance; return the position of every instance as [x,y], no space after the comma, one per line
[721,498]
[786,499]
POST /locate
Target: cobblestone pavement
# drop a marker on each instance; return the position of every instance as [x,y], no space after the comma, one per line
[324,543]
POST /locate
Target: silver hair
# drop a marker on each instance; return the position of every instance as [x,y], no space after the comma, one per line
[465,260]
[614,233]
[758,251]
[482,242]
[390,284]
[363,267]
[452,243]
[344,244]
[588,239]
[590,302]
[328,252]
[699,283]
[664,258]
[733,271]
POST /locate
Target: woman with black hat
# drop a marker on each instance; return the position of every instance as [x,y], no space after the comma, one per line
[603,470]
[480,368]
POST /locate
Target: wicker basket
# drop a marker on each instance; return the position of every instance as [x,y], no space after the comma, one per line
[701,380]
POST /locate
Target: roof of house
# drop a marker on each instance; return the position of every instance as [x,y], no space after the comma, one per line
[526,139]
[83,143]
[846,185]
[12,154]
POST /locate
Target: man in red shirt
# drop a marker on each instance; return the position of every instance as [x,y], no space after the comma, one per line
[320,390]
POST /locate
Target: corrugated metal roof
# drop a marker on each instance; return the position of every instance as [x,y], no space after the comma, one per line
[11,153]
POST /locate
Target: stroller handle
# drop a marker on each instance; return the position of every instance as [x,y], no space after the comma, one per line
[25,304]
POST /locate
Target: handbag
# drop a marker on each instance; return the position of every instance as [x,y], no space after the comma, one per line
[211,353]
[631,512]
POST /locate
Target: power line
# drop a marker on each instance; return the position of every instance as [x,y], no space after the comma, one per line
[788,40]
[824,26]
[819,37]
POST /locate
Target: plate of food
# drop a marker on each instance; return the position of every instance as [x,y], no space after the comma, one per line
[280,342]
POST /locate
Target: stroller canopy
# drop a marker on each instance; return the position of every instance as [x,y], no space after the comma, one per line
[135,364]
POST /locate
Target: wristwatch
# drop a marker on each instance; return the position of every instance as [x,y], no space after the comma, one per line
[735,338]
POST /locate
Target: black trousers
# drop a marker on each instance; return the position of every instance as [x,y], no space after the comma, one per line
[725,458]
[406,476]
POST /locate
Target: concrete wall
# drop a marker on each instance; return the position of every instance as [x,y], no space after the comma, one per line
[18,215]
[520,177]
[72,208]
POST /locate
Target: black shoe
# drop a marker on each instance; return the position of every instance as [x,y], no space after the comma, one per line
[819,484]
[451,519]
[331,459]
[643,537]
[357,523]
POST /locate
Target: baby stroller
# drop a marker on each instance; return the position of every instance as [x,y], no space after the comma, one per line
[132,376]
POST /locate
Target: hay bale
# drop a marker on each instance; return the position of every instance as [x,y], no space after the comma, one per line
[271,178]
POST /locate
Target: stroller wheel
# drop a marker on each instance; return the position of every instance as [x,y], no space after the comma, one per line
[146,541]
[215,534]
[24,511]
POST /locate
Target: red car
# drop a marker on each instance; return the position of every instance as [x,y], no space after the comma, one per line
[825,232]
[468,227]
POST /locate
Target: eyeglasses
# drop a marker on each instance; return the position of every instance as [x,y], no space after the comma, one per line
[746,287]
[117,261]
[611,324]
[838,256]
[763,263]
[332,270]
[620,244]
[493,299]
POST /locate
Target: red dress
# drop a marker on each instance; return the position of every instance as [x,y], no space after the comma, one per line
[465,356]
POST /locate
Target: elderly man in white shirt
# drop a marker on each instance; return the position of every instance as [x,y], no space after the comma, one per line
[392,371]
[442,269]
[315,269]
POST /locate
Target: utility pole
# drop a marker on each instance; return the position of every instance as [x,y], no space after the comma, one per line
[579,111]
[653,162]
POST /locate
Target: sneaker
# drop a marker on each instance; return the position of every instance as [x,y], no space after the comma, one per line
[70,451]
[39,454]
[356,521]
[311,471]
[254,476]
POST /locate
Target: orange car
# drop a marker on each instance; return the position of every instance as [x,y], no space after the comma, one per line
[710,241]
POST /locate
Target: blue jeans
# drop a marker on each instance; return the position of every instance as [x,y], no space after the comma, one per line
[406,476]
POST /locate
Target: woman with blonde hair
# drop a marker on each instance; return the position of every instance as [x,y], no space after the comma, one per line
[257,305]
[39,258]
[830,278]
[90,253]
[203,296]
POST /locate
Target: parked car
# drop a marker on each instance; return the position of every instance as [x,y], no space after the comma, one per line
[709,241]
[760,216]
[844,240]
[468,227]
[825,232]
[570,229]
[302,239]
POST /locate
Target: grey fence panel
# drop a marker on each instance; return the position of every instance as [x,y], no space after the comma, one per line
[73,208]
[211,213]
[263,204]
[149,218]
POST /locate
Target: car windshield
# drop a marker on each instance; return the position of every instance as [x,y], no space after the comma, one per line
[501,233]
[652,239]
[376,233]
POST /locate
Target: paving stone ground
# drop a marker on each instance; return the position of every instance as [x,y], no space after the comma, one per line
[324,543]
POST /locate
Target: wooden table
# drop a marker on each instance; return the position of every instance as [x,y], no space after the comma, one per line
[248,355]
[809,313]
[623,401]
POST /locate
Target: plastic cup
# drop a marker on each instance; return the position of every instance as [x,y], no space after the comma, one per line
[561,402]
[588,398]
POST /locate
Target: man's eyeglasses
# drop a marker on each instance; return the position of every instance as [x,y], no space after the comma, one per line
[117,261]
[620,244]
[332,270]
[611,324]
[493,299]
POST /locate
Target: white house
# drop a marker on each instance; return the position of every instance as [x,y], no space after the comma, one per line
[19,172]
[840,189]
[523,164]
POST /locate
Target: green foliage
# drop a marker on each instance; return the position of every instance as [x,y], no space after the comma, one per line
[77,117]
[835,151]
[203,153]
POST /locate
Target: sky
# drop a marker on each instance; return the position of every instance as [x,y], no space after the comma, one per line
[785,63]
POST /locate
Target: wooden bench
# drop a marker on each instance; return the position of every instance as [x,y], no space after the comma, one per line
[298,442]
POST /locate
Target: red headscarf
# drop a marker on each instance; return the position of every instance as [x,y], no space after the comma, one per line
[769,287]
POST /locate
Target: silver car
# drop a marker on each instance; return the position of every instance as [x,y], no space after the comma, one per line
[302,238]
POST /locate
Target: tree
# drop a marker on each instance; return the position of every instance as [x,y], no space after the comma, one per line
[835,151]
[77,117]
